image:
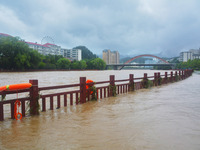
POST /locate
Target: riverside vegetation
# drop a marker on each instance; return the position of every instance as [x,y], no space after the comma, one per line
[190,64]
[15,55]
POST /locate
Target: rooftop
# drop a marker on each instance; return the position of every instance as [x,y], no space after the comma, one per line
[31,43]
[3,34]
[48,44]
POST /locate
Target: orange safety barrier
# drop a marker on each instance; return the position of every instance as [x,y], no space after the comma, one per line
[16,113]
[15,87]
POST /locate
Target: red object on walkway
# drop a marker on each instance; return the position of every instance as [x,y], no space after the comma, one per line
[88,86]
[16,113]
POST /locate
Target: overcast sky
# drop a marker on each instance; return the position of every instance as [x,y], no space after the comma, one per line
[131,27]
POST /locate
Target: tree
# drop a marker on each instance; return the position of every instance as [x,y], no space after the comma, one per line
[50,61]
[22,61]
[75,65]
[96,63]
[35,59]
[14,54]
[63,63]
[190,64]
[41,65]
[83,64]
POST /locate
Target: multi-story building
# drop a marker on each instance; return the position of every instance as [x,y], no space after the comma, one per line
[48,48]
[111,57]
[42,49]
[185,56]
[54,49]
[191,54]
[72,54]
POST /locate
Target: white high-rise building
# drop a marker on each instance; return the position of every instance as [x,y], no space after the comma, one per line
[73,54]
[189,55]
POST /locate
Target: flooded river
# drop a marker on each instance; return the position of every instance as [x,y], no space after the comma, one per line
[160,118]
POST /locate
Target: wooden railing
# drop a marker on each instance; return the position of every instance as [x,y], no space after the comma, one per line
[80,95]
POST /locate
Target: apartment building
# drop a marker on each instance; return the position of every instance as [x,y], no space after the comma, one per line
[111,57]
[72,54]
[48,48]
[191,54]
[52,49]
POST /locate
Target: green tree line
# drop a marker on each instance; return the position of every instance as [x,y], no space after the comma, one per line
[190,64]
[174,60]
[16,55]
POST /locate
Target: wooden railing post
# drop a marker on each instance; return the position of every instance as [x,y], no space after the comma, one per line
[145,80]
[155,79]
[34,97]
[1,112]
[131,83]
[182,75]
[82,90]
[112,87]
[159,79]
[12,107]
[171,78]
[166,79]
[185,74]
[176,76]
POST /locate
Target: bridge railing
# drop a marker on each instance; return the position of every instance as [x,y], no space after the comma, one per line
[75,94]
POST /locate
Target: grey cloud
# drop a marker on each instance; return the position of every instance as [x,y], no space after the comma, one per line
[129,26]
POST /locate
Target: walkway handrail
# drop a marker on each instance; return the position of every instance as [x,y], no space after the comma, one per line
[81,95]
[58,87]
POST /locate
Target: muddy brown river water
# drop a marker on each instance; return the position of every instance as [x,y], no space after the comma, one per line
[160,118]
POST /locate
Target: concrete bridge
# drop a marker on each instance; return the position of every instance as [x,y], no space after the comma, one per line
[121,66]
[127,63]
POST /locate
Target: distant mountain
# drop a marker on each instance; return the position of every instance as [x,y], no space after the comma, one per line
[86,53]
